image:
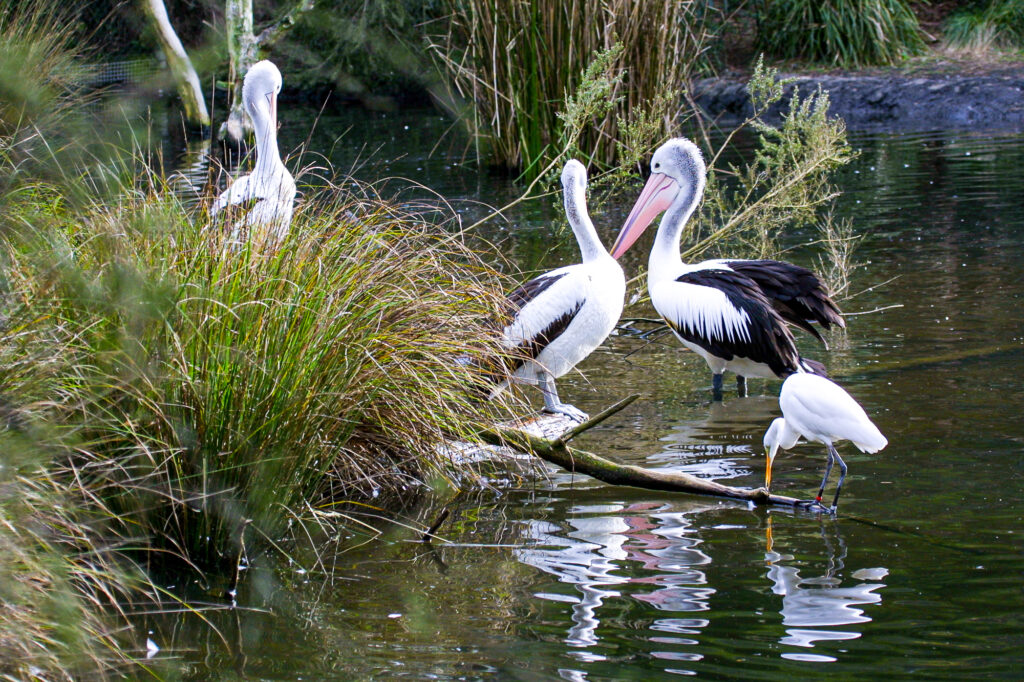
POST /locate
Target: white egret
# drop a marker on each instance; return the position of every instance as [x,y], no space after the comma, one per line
[820,411]
[733,313]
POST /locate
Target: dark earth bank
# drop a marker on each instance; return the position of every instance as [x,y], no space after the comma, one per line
[992,100]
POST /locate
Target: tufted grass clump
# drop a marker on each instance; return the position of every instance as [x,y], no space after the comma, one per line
[848,33]
[207,392]
[984,26]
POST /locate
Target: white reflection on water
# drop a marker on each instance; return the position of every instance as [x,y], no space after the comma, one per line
[820,601]
[590,555]
[706,444]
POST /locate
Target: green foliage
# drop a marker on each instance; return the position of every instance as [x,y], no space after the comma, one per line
[840,32]
[362,48]
[516,62]
[208,390]
[997,23]
[785,185]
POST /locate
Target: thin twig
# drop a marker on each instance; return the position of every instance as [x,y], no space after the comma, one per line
[595,420]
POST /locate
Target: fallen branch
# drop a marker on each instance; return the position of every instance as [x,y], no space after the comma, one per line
[558,452]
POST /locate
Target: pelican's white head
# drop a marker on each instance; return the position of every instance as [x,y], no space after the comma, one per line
[675,166]
[574,174]
[259,92]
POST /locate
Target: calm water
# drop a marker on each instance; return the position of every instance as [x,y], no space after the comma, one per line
[565,578]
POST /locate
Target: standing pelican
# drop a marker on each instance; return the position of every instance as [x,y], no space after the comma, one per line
[732,313]
[820,411]
[267,194]
[563,315]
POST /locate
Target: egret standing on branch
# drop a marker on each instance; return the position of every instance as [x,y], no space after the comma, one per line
[265,198]
[820,411]
[733,313]
[561,316]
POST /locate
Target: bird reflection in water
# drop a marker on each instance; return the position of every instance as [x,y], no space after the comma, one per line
[594,555]
[812,606]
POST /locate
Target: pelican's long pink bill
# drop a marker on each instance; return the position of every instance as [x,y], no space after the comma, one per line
[658,194]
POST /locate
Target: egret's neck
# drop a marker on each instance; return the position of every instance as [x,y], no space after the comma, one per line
[591,247]
[665,260]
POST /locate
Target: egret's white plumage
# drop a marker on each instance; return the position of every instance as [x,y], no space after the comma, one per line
[733,313]
[267,194]
[820,411]
[561,316]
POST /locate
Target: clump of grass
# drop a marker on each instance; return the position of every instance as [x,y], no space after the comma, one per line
[60,580]
[41,89]
[846,33]
[984,26]
[208,391]
[517,61]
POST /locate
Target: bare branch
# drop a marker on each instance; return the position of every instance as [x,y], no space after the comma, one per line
[271,34]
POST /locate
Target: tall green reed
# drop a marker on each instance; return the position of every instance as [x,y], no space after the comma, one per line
[983,26]
[516,62]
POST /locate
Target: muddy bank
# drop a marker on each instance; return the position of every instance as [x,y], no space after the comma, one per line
[940,101]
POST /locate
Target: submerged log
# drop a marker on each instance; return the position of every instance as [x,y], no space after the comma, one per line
[557,451]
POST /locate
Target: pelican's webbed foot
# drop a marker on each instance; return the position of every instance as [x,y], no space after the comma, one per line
[552,404]
[568,410]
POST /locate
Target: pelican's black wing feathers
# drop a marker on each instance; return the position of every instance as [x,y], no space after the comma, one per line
[796,293]
[763,336]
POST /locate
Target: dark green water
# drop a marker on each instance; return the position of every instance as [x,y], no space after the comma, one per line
[920,574]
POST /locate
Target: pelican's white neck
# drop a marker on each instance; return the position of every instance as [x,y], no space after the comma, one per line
[575,198]
[268,158]
[665,260]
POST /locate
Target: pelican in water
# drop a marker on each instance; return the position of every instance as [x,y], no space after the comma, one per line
[264,199]
[561,316]
[733,313]
[820,411]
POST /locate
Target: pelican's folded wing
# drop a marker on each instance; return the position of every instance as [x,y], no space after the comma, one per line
[543,308]
[726,313]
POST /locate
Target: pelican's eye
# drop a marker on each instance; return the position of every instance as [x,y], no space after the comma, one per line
[657,166]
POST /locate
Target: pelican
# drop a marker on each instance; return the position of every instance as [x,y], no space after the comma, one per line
[267,194]
[820,411]
[732,313]
[561,316]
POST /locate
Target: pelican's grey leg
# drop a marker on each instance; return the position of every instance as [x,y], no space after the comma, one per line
[551,402]
[716,386]
[741,386]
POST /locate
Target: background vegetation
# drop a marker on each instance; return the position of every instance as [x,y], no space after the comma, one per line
[982,26]
[516,91]
[840,32]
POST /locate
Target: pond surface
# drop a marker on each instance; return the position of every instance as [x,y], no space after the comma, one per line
[919,575]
